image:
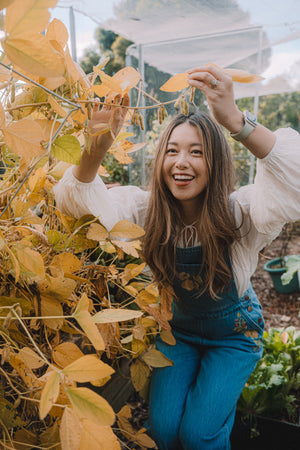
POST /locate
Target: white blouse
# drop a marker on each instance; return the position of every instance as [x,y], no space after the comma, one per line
[268,204]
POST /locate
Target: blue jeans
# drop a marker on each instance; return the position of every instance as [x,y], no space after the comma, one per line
[192,403]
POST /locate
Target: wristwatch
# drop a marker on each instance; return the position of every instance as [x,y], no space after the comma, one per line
[250,125]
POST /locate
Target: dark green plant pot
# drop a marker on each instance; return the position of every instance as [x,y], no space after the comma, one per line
[275,274]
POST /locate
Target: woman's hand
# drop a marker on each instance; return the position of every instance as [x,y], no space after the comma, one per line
[217,86]
[110,118]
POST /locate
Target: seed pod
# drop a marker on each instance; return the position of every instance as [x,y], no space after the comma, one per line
[165,113]
[5,354]
[160,115]
[7,320]
[141,120]
[50,113]
[137,118]
[17,402]
[78,90]
[89,111]
[83,111]
[192,95]
[18,310]
[13,92]
[178,102]
[133,118]
[184,107]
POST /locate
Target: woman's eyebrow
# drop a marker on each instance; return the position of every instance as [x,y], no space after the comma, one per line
[191,145]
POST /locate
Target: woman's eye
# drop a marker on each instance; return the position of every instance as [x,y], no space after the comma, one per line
[171,150]
[197,152]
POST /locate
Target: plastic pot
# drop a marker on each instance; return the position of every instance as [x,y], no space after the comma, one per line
[275,274]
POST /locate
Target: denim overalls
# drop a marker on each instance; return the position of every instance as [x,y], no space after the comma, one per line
[218,343]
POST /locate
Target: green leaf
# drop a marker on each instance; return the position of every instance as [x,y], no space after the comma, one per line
[292,266]
[67,148]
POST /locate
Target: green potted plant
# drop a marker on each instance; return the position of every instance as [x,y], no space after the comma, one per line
[268,409]
[284,270]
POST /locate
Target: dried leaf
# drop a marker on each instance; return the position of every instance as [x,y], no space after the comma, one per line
[69,262]
[67,148]
[88,368]
[27,17]
[2,116]
[86,322]
[110,83]
[97,232]
[49,394]
[241,76]
[57,31]
[51,307]
[156,359]
[175,83]
[31,260]
[58,288]
[24,138]
[97,437]
[127,77]
[88,405]
[126,230]
[116,315]
[30,358]
[70,430]
[127,247]
[139,372]
[35,55]
[168,337]
[66,353]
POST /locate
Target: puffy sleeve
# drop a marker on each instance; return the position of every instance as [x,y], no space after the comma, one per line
[77,199]
[275,196]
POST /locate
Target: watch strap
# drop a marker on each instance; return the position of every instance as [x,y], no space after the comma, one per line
[247,129]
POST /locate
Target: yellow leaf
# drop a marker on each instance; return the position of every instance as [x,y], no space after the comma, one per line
[24,138]
[88,405]
[57,31]
[175,83]
[25,373]
[127,77]
[48,127]
[103,172]
[58,288]
[129,147]
[132,271]
[27,17]
[5,74]
[97,437]
[30,358]
[121,155]
[70,263]
[155,358]
[70,430]
[127,247]
[29,95]
[49,394]
[31,260]
[110,83]
[88,368]
[2,116]
[116,315]
[121,136]
[5,3]
[168,337]
[35,55]
[14,261]
[241,76]
[97,232]
[67,148]
[102,64]
[126,230]
[139,372]
[66,353]
[56,106]
[74,70]
[86,322]
[51,307]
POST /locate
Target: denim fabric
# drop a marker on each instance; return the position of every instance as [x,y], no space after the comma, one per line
[218,343]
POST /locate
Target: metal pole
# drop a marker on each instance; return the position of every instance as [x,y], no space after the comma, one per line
[128,62]
[143,112]
[256,98]
[73,34]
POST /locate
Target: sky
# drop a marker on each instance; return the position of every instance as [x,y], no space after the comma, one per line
[283,58]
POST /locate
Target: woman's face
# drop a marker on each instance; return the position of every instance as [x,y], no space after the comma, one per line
[184,168]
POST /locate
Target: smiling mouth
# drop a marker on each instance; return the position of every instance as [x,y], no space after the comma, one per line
[182,180]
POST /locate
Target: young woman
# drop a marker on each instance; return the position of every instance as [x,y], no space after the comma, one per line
[203,239]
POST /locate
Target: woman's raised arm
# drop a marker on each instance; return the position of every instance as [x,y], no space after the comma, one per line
[217,86]
[114,118]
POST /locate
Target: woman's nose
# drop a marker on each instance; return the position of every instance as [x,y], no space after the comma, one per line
[181,161]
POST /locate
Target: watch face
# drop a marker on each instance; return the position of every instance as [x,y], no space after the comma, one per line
[250,118]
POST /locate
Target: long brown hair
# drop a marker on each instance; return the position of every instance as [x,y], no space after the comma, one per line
[215,224]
